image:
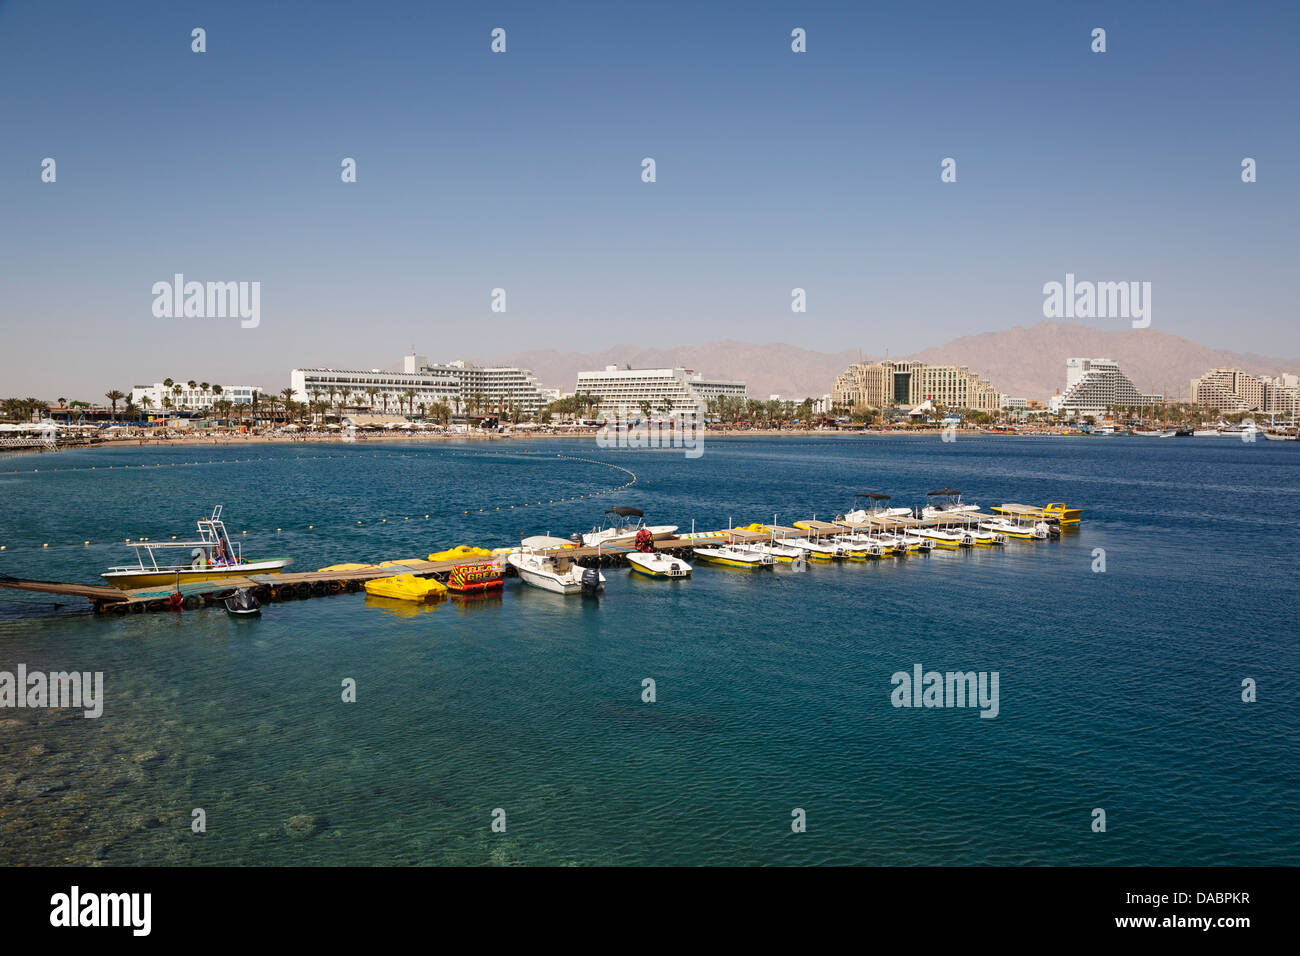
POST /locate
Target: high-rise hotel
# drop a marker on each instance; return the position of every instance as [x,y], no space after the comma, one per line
[881,384]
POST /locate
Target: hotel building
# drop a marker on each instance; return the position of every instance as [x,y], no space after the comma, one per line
[1093,386]
[882,384]
[461,385]
[190,399]
[1232,390]
[621,391]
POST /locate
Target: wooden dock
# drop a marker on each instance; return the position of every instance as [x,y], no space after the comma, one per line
[289,586]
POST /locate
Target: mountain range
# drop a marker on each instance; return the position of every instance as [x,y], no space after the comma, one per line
[1025,362]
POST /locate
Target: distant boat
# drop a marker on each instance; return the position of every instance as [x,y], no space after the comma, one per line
[1207,433]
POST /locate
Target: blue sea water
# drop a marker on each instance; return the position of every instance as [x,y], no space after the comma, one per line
[1119,690]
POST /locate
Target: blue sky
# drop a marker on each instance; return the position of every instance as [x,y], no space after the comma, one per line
[522,171]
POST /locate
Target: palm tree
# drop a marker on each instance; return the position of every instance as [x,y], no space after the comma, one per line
[114,396]
[371,392]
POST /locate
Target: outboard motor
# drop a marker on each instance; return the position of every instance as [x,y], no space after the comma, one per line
[590,582]
[576,539]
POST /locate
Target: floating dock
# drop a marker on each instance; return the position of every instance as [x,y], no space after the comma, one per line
[301,585]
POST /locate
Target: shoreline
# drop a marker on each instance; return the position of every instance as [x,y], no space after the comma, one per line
[336,439]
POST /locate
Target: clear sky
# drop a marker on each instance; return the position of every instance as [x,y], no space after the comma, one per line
[523,171]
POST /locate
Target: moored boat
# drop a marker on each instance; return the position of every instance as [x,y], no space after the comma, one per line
[243,603]
[406,587]
[732,556]
[624,525]
[213,557]
[557,573]
[654,564]
[951,504]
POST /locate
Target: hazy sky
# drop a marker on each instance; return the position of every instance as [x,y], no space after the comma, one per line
[522,171]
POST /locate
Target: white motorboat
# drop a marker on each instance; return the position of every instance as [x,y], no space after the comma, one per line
[1207,433]
[948,538]
[863,546]
[781,553]
[817,550]
[985,538]
[734,556]
[556,572]
[875,508]
[655,564]
[951,505]
[1016,529]
[624,523]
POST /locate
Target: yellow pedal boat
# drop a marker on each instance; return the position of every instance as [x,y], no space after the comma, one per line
[406,587]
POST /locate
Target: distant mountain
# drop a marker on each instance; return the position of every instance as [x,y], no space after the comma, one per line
[1030,362]
[774,369]
[1026,362]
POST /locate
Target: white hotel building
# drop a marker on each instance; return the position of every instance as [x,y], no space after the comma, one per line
[1092,386]
[192,399]
[459,384]
[621,391]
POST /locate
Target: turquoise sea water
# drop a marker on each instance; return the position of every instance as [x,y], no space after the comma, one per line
[1119,690]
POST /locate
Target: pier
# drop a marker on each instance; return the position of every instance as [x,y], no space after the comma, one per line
[294,586]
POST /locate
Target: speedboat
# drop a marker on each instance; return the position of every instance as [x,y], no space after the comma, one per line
[213,557]
[862,546]
[816,550]
[732,556]
[655,564]
[556,572]
[781,553]
[951,505]
[946,537]
[623,527]
[1016,529]
[985,538]
[874,509]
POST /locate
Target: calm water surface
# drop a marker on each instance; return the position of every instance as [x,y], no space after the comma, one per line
[1119,690]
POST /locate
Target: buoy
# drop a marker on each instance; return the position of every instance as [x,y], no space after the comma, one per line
[87,543]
